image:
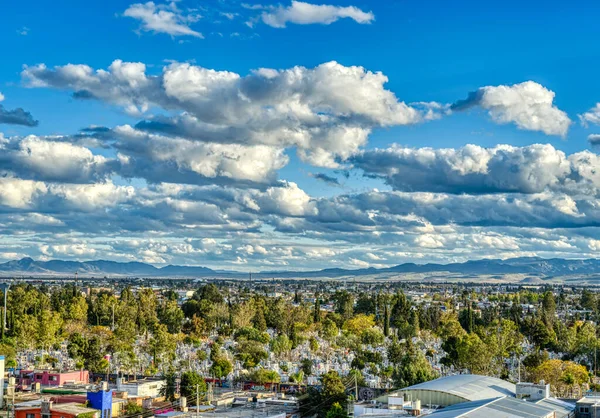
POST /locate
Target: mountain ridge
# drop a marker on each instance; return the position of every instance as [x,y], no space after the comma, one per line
[521,265]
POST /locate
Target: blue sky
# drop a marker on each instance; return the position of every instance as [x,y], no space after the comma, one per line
[69,196]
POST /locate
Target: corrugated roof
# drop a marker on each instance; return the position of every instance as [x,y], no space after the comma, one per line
[471,387]
[562,408]
[495,408]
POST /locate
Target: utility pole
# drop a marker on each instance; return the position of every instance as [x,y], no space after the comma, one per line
[355,388]
[197,399]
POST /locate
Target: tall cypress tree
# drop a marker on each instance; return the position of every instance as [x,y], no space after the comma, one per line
[386,320]
[317,310]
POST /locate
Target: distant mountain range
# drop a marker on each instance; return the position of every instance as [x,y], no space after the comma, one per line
[100,268]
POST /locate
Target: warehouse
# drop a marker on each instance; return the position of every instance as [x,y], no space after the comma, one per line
[451,390]
[499,407]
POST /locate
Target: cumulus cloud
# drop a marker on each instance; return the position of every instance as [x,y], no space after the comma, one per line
[16,116]
[302,13]
[40,159]
[162,159]
[476,170]
[594,139]
[326,112]
[163,18]
[528,105]
[592,116]
[39,196]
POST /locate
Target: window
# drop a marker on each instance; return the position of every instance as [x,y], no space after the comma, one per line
[29,415]
[584,409]
[38,377]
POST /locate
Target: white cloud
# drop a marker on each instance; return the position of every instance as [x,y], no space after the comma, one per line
[429,241]
[302,13]
[42,159]
[591,116]
[165,18]
[528,105]
[477,170]
[153,156]
[289,200]
[1,97]
[326,112]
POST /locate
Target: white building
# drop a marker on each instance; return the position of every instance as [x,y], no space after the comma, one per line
[141,388]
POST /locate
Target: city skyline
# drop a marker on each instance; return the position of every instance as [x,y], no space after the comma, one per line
[298,135]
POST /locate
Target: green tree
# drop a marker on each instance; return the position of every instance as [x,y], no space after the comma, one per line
[192,382]
[171,315]
[170,387]
[336,411]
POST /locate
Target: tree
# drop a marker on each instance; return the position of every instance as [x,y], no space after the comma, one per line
[221,367]
[192,382]
[386,320]
[336,411]
[412,368]
[561,375]
[306,366]
[548,308]
[329,329]
[170,387]
[281,344]
[132,408]
[317,309]
[359,323]
[259,321]
[264,376]
[251,353]
[161,343]
[475,355]
[344,303]
[372,336]
[171,315]
[147,303]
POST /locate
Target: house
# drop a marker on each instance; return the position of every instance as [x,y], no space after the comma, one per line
[51,377]
[101,400]
[150,388]
[49,410]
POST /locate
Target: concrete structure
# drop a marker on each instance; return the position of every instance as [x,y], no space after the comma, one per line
[533,391]
[101,400]
[51,377]
[49,410]
[588,407]
[143,388]
[451,390]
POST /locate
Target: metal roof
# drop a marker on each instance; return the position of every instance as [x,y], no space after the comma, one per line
[495,408]
[471,387]
[562,408]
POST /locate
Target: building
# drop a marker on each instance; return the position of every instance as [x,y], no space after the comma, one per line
[451,390]
[588,407]
[51,377]
[49,410]
[147,388]
[469,396]
[505,407]
[101,400]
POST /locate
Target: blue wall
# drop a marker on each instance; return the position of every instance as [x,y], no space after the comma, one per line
[102,401]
